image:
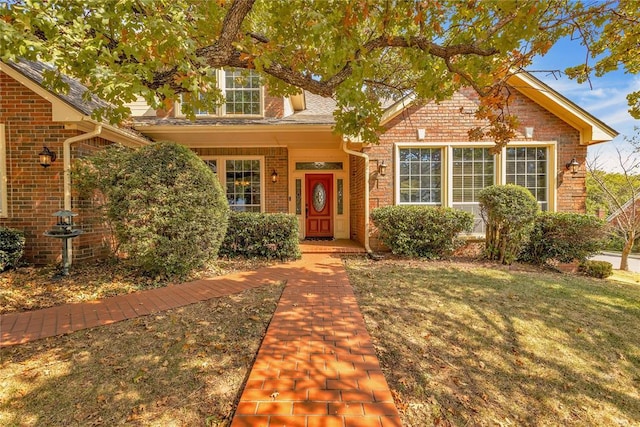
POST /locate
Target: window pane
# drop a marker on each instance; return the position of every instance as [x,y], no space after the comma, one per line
[474,172]
[243,185]
[527,166]
[420,175]
[242,89]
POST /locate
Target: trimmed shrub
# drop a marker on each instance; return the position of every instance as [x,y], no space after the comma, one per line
[11,247]
[599,269]
[165,206]
[509,212]
[260,235]
[421,231]
[564,237]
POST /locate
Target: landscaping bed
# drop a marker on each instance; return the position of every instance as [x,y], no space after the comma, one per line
[32,288]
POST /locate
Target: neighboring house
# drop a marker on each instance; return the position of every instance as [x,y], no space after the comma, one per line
[275,154]
[628,216]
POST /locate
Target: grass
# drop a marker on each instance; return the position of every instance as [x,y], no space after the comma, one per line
[465,344]
[31,288]
[625,277]
[183,367]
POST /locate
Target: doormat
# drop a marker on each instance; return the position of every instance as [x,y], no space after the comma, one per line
[311,239]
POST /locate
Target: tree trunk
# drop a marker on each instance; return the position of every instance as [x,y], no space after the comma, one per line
[626,250]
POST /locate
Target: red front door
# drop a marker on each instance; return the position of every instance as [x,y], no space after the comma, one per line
[319,212]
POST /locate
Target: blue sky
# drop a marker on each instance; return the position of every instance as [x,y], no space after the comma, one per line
[606,100]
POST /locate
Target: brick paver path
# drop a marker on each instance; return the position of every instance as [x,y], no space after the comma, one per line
[316,365]
[19,328]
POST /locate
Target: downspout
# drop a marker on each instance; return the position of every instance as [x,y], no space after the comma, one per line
[366,192]
[66,154]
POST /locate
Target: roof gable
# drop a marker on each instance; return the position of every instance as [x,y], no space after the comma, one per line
[34,72]
[592,130]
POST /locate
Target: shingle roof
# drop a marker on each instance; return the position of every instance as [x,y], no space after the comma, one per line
[34,71]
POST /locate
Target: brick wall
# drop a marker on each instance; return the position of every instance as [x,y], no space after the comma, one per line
[33,192]
[450,120]
[276,194]
[356,189]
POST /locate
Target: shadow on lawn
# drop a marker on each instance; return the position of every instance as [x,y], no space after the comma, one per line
[181,367]
[482,346]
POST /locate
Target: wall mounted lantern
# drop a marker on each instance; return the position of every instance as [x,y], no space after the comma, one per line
[528,133]
[382,168]
[573,166]
[46,157]
[274,176]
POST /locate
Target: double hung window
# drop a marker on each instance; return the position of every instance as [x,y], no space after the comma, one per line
[242,179]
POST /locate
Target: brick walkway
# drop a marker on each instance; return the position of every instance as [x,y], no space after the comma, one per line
[316,365]
[19,328]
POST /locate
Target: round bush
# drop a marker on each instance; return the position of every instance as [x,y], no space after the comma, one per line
[508,211]
[421,231]
[564,237]
[166,207]
[598,269]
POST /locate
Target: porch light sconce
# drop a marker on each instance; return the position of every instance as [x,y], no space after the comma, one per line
[46,157]
[528,133]
[573,166]
[382,168]
[420,134]
[274,176]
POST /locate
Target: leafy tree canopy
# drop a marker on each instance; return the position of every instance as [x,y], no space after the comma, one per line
[357,51]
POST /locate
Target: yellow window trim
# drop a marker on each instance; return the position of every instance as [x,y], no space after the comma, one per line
[4,212]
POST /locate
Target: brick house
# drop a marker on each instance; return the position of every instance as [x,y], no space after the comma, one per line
[275,154]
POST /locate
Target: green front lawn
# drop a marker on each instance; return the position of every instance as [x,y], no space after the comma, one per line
[465,344]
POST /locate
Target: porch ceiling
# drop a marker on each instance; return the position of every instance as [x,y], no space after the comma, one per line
[245,136]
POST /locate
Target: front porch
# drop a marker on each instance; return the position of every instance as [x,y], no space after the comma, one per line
[339,246]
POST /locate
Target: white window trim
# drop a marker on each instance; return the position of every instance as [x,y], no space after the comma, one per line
[222,173]
[499,169]
[4,212]
[220,111]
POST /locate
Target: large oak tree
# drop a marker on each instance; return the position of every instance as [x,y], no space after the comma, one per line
[358,51]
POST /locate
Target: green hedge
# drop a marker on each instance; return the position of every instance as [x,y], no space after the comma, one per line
[11,247]
[509,212]
[421,231]
[261,235]
[564,237]
[599,269]
[165,206]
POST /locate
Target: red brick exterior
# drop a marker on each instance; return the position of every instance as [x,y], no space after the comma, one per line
[450,121]
[33,192]
[276,194]
[356,190]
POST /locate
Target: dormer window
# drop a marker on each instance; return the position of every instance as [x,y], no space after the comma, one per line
[242,91]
